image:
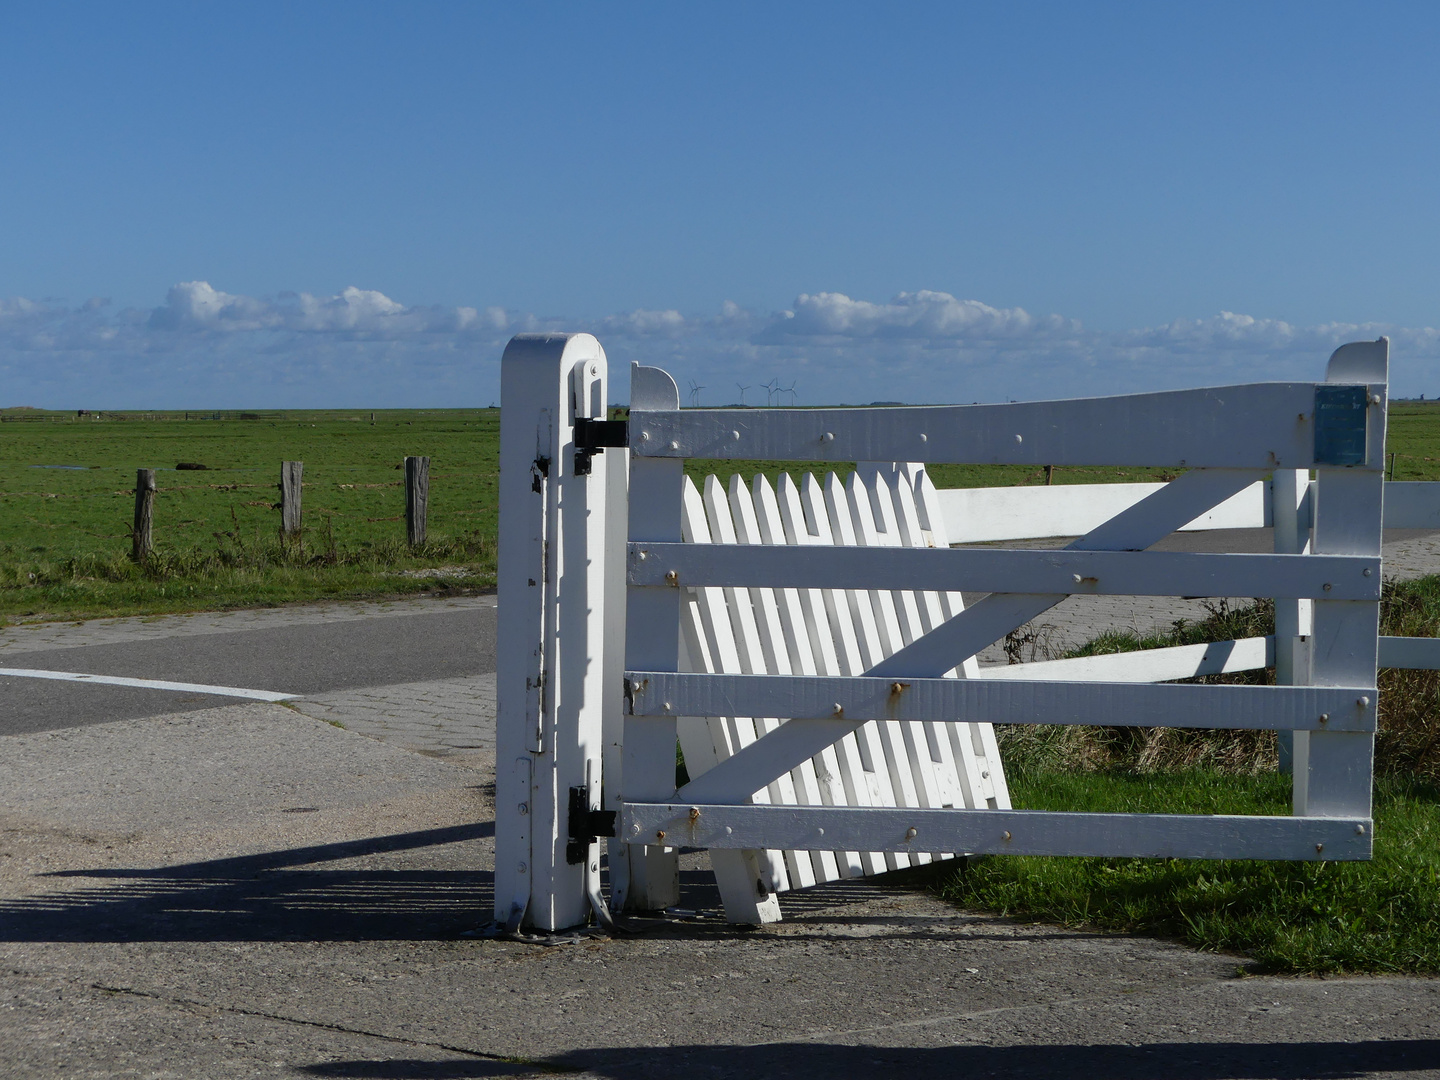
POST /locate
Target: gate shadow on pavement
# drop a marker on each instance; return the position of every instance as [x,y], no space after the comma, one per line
[1155,1061]
[272,896]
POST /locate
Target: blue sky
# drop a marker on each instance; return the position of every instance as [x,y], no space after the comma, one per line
[356,204]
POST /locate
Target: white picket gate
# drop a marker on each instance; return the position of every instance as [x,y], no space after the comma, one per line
[806,642]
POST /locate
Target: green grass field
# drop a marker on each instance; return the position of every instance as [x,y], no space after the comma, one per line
[66,503]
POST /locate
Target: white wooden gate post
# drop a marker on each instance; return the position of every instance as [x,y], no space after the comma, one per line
[551,610]
[1332,769]
[647,877]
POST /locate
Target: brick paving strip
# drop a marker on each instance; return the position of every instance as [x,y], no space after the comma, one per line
[443,717]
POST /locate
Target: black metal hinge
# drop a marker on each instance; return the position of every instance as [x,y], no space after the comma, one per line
[586,825]
[592,436]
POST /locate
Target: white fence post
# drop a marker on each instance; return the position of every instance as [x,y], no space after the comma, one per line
[551,611]
[1332,769]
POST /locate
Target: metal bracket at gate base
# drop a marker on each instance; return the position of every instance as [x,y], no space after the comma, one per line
[586,825]
[593,436]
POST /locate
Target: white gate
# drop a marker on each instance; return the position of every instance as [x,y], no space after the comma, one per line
[806,677]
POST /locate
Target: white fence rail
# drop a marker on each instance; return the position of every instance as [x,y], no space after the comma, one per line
[807,644]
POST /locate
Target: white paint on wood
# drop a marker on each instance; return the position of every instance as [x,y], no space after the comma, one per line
[1147,665]
[548,689]
[978,515]
[1011,832]
[787,631]
[1412,504]
[895,570]
[1333,770]
[844,701]
[1415,653]
[652,629]
[1218,427]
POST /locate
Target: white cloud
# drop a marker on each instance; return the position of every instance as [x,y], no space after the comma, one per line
[922,315]
[194,305]
[206,347]
[641,323]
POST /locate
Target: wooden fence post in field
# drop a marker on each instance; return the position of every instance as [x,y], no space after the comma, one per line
[290,487]
[417,498]
[144,513]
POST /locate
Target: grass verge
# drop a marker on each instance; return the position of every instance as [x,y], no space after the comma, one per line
[1378,916]
[235,574]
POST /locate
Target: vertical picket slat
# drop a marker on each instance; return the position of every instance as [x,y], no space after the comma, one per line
[811,642]
[827,613]
[917,749]
[809,866]
[736,522]
[951,765]
[872,651]
[714,611]
[973,742]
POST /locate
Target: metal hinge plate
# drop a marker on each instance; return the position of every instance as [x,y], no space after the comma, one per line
[586,825]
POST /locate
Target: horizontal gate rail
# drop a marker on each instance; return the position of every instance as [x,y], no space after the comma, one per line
[1003,570]
[1216,427]
[984,515]
[1414,653]
[1000,832]
[847,699]
[1145,665]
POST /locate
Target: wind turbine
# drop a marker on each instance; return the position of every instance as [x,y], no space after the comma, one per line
[742,393]
[695,394]
[794,398]
[771,388]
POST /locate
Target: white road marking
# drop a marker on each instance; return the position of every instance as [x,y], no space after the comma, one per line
[147,684]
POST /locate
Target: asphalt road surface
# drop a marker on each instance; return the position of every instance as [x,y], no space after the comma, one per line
[431,641]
